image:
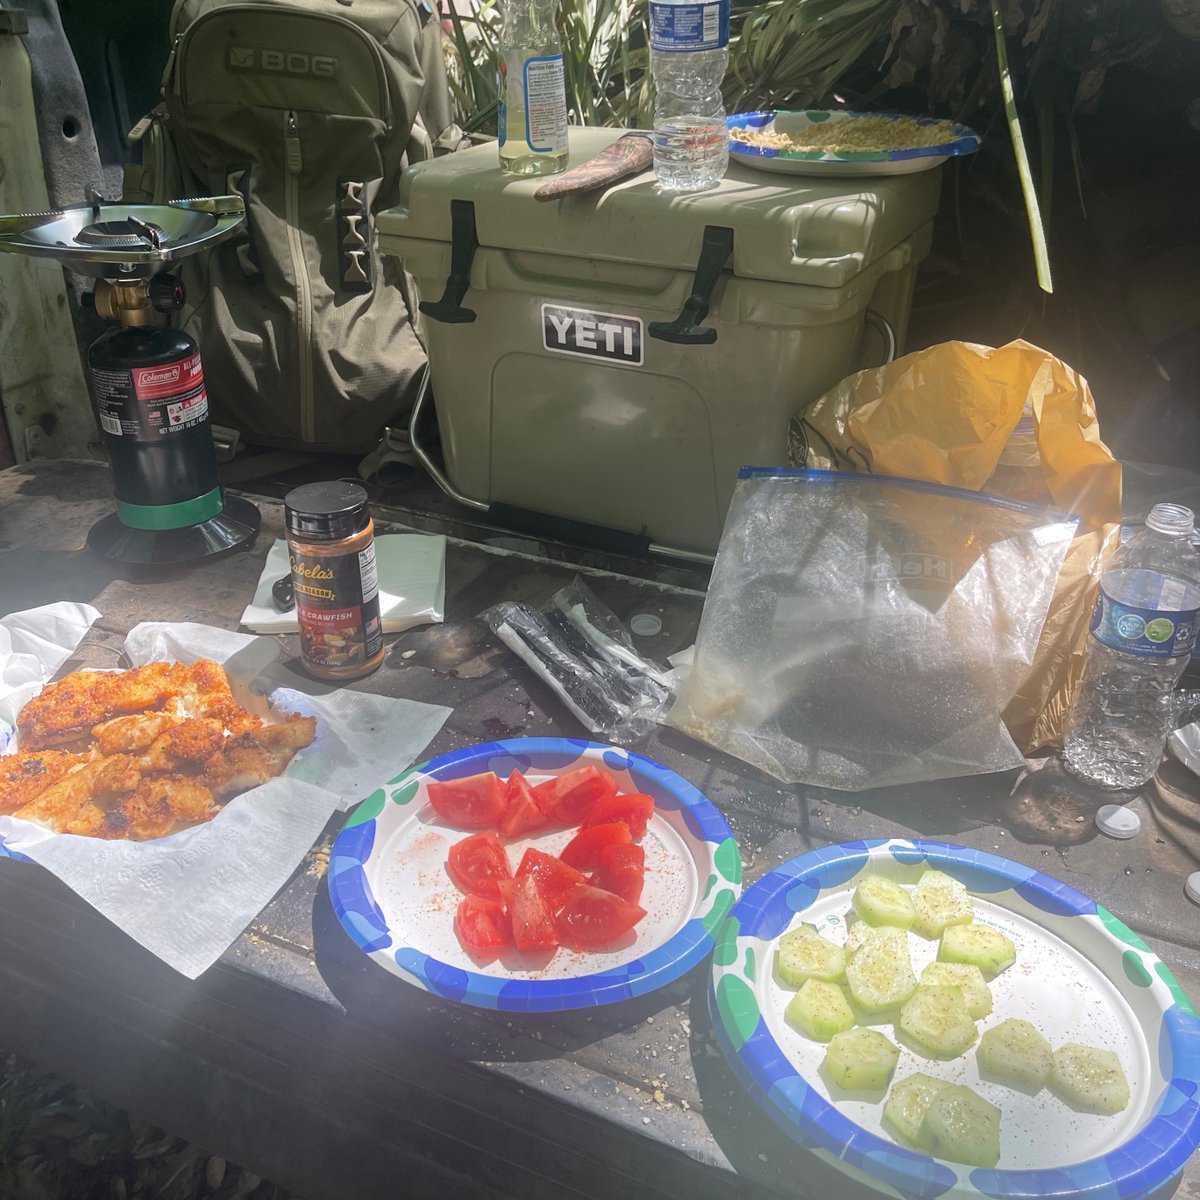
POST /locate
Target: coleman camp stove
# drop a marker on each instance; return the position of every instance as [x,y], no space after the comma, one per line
[146,380]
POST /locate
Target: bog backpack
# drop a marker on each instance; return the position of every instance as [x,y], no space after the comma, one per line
[309,109]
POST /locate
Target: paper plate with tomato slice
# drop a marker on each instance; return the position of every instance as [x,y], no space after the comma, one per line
[535,875]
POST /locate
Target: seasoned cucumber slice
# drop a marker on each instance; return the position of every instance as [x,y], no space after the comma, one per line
[961,1126]
[879,974]
[936,1018]
[861,1059]
[978,945]
[804,954]
[858,932]
[879,901]
[819,1010]
[975,990]
[1013,1052]
[1089,1079]
[907,1103]
[939,902]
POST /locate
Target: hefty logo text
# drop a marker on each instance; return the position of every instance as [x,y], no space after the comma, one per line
[282,62]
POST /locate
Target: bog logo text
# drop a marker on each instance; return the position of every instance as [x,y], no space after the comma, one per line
[591,334]
[282,62]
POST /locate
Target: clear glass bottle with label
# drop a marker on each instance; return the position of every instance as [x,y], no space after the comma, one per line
[331,547]
[533,96]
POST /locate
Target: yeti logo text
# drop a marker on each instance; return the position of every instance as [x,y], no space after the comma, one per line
[592,334]
[282,62]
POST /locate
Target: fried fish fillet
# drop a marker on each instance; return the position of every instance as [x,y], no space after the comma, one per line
[156,806]
[248,759]
[25,775]
[64,713]
[78,801]
[166,740]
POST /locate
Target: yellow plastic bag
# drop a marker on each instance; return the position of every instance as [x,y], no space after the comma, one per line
[946,414]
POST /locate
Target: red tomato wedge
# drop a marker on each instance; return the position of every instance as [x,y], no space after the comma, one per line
[554,878]
[474,802]
[568,798]
[482,925]
[532,926]
[523,814]
[622,871]
[583,850]
[634,808]
[592,917]
[478,863]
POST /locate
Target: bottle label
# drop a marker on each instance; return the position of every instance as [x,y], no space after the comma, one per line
[545,103]
[337,606]
[1159,632]
[690,27]
[148,404]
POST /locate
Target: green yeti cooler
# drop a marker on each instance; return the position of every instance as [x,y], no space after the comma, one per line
[613,358]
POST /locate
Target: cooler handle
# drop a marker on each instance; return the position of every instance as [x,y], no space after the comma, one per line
[686,329]
[464,241]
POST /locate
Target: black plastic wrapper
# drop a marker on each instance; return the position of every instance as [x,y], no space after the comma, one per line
[583,652]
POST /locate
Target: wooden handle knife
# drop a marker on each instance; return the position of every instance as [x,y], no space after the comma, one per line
[629,154]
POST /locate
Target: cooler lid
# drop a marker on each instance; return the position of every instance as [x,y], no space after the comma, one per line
[796,229]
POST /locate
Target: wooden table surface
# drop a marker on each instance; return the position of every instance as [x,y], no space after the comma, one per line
[299,1058]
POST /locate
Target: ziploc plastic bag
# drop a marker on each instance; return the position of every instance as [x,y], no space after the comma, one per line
[582,651]
[862,630]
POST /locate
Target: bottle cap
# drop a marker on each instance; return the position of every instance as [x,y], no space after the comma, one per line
[645,624]
[1117,821]
[325,511]
[1191,887]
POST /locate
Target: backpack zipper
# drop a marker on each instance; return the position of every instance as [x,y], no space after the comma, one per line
[293,162]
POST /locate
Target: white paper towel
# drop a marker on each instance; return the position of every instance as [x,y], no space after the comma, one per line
[187,897]
[412,584]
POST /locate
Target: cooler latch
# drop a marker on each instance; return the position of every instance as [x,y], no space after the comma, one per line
[463,243]
[686,329]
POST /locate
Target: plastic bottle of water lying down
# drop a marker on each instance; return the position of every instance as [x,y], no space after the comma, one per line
[1143,629]
[689,51]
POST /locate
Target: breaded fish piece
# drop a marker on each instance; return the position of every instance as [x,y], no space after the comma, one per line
[184,747]
[248,759]
[77,803]
[26,774]
[63,713]
[132,734]
[156,806]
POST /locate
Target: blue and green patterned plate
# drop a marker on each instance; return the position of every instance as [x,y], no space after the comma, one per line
[1080,975]
[389,887]
[900,161]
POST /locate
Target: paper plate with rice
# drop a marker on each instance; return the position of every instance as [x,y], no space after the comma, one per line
[821,142]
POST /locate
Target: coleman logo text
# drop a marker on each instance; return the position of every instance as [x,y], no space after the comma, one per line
[282,62]
[171,375]
[592,334]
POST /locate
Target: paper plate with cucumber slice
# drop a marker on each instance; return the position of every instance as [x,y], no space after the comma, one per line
[1082,1073]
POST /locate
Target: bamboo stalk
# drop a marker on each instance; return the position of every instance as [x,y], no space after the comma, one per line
[1041,256]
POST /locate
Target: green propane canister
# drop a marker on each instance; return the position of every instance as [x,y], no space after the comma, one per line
[612,358]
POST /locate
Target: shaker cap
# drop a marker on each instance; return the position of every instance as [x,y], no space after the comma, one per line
[326,511]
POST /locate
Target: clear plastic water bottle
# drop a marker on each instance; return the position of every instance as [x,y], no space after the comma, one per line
[532,122]
[1144,626]
[689,51]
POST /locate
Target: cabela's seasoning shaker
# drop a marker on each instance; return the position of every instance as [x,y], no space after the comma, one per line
[331,546]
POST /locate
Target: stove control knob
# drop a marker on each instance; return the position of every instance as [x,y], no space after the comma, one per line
[166,293]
